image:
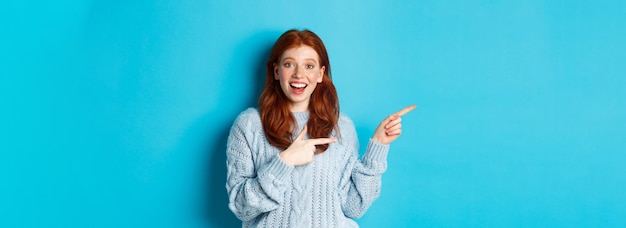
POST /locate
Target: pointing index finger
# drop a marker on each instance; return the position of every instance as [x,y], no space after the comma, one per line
[406,110]
[321,141]
[302,133]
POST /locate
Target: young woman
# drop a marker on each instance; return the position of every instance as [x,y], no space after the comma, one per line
[294,161]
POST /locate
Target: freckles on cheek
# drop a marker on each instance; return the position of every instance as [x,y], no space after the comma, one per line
[316,78]
[280,75]
[283,73]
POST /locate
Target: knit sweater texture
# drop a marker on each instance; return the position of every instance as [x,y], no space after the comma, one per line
[336,187]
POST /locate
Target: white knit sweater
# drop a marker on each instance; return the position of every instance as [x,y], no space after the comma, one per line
[264,191]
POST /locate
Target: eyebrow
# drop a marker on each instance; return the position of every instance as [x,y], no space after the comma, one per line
[312,59]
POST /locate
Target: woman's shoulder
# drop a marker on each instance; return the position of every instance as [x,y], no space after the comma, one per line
[347,130]
[250,113]
[345,121]
[343,117]
[248,117]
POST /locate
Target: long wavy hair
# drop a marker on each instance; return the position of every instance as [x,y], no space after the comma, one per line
[278,122]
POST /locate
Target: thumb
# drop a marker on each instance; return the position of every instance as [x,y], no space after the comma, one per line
[389,119]
[302,134]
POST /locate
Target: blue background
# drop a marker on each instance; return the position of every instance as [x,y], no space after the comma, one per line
[116,113]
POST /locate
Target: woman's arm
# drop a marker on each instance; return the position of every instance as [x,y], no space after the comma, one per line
[361,182]
[362,178]
[252,193]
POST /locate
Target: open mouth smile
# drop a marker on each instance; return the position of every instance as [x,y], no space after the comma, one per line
[298,87]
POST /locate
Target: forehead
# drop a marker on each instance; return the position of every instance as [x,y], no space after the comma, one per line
[300,52]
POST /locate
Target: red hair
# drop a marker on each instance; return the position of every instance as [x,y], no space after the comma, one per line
[278,122]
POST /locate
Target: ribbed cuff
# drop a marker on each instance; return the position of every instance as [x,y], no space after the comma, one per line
[278,169]
[376,154]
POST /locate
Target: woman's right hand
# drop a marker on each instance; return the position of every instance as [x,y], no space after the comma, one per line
[302,151]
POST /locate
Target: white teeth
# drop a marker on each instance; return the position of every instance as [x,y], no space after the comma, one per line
[298,85]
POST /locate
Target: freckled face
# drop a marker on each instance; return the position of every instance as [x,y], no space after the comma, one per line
[299,71]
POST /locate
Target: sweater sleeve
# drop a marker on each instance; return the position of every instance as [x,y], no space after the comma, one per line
[252,192]
[362,178]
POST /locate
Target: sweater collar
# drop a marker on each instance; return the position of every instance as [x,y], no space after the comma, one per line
[301,117]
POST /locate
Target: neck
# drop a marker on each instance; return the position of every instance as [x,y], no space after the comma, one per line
[301,107]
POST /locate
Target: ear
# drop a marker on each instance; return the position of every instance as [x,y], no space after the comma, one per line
[322,70]
[275,71]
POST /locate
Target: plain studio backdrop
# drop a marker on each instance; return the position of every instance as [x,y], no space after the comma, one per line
[116,113]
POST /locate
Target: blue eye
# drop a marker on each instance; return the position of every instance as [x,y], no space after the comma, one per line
[287,64]
[309,66]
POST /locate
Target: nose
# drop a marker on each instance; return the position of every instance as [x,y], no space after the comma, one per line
[296,71]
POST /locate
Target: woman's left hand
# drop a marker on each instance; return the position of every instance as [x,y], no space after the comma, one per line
[391,128]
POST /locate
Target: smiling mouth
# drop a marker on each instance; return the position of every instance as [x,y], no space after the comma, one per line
[298,85]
